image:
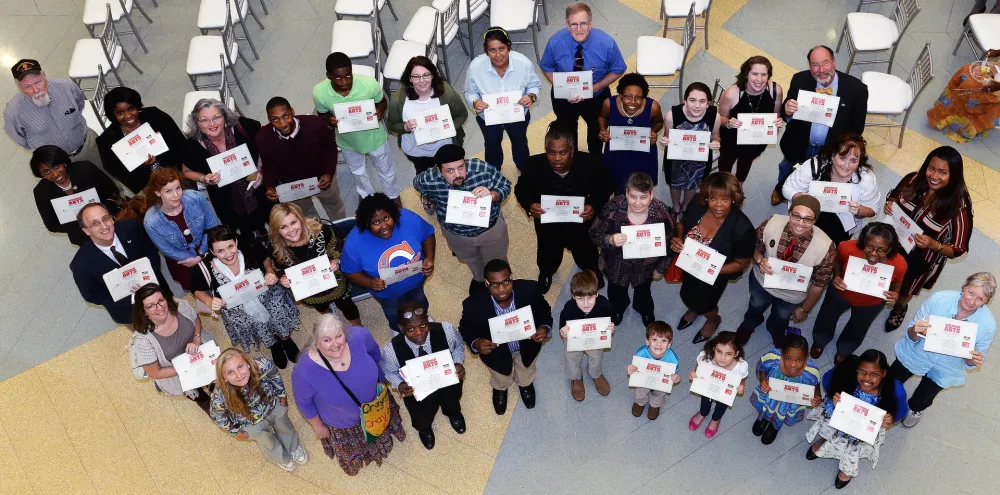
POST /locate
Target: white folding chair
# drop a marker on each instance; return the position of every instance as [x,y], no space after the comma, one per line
[205,50]
[870,32]
[402,51]
[890,95]
[356,39]
[93,16]
[93,112]
[516,16]
[362,8]
[92,56]
[982,33]
[212,15]
[477,8]
[680,8]
[223,94]
[367,70]
[444,15]
[656,56]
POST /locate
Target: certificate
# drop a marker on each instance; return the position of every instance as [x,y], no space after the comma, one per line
[134,149]
[394,274]
[700,261]
[293,191]
[787,275]
[588,334]
[124,281]
[434,125]
[652,374]
[503,108]
[232,165]
[951,337]
[430,373]
[644,241]
[716,383]
[243,289]
[905,227]
[833,196]
[863,278]
[817,108]
[566,85]
[66,207]
[511,327]
[791,392]
[630,138]
[311,278]
[198,369]
[562,209]
[757,128]
[355,116]
[857,418]
[688,145]
[464,208]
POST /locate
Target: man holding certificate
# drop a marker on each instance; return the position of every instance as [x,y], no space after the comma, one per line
[577,185]
[415,346]
[513,362]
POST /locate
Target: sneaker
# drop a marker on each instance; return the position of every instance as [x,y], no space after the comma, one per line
[288,467]
[911,419]
[299,455]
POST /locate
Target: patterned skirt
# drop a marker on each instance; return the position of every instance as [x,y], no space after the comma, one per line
[845,448]
[245,331]
[349,447]
[775,412]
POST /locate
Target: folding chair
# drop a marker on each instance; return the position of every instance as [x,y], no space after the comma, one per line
[356,39]
[211,15]
[224,94]
[93,112]
[421,24]
[402,51]
[656,56]
[362,8]
[890,95]
[205,50]
[518,16]
[93,16]
[983,32]
[870,32]
[90,55]
[680,8]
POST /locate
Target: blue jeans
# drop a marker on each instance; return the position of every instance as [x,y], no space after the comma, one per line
[390,305]
[785,166]
[760,300]
[493,140]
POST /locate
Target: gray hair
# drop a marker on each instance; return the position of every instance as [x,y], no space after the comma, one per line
[984,280]
[326,324]
[194,132]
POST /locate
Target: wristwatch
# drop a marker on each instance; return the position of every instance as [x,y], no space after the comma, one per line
[533,97]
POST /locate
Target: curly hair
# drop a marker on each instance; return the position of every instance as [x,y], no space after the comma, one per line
[229,117]
[372,204]
[158,179]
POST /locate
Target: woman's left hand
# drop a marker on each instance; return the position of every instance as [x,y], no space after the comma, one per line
[835,399]
[212,179]
[890,297]
[714,145]
[283,401]
[539,335]
[410,125]
[816,400]
[191,348]
[428,267]
[924,241]
[887,420]
[525,101]
[270,279]
[976,359]
[739,390]
[854,207]
[194,260]
[780,122]
[334,265]
[657,276]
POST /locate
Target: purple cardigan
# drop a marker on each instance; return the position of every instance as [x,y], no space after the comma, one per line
[316,390]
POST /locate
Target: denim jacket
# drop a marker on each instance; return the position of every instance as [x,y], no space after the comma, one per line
[167,236]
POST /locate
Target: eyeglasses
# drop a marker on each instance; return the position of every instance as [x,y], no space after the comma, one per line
[162,303]
[578,26]
[410,314]
[421,77]
[494,285]
[105,220]
[211,120]
[803,220]
[862,373]
[869,249]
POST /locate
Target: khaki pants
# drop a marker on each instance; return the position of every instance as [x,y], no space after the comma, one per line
[382,159]
[330,200]
[574,364]
[522,375]
[477,251]
[654,397]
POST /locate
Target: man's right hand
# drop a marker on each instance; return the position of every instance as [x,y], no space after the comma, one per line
[324,181]
[405,389]
[791,106]
[480,105]
[272,194]
[485,346]
[330,119]
[536,210]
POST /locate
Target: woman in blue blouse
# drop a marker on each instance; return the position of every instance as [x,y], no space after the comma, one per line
[941,371]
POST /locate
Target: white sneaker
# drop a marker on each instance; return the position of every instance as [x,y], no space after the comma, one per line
[299,456]
[911,419]
[288,467]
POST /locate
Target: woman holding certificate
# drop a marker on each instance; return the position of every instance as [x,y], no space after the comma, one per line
[714,220]
[753,95]
[626,121]
[423,90]
[67,187]
[267,317]
[937,203]
[959,328]
[696,117]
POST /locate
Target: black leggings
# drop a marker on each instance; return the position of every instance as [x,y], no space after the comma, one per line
[706,407]
[344,304]
[741,156]
[926,391]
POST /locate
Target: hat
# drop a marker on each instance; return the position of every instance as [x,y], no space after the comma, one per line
[449,153]
[24,67]
[807,201]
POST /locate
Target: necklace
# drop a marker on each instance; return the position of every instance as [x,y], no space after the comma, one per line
[626,114]
[67,188]
[760,98]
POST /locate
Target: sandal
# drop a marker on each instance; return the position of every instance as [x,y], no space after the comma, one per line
[896,317]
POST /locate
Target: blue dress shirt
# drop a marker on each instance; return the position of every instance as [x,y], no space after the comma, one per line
[600,54]
[482,79]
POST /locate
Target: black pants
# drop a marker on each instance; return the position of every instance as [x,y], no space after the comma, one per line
[643,303]
[517,133]
[706,407]
[588,110]
[344,303]
[422,412]
[421,163]
[741,156]
[553,238]
[926,391]
[856,328]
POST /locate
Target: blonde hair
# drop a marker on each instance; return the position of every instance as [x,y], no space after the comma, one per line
[985,280]
[233,395]
[278,214]
[326,324]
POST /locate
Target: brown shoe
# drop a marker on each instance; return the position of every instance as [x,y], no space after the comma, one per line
[815,352]
[637,409]
[776,198]
[603,387]
[577,390]
[653,412]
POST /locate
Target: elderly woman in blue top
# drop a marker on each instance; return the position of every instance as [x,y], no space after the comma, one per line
[941,371]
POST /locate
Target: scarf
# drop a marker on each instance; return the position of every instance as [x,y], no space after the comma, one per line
[241,196]
[253,308]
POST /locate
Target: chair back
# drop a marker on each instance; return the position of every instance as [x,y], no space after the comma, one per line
[239,6]
[433,43]
[97,102]
[689,34]
[110,42]
[717,90]
[922,71]
[903,14]
[224,92]
[447,20]
[378,55]
[470,7]
[228,36]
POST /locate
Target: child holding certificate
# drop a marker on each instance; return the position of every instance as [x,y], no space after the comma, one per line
[791,364]
[586,303]
[725,352]
[865,379]
[659,336]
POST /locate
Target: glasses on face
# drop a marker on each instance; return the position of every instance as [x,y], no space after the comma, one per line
[105,220]
[826,64]
[579,25]
[879,251]
[421,77]
[505,282]
[862,373]
[410,314]
[162,303]
[210,120]
[803,220]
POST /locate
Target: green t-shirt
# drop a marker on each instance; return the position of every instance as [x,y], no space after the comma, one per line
[363,88]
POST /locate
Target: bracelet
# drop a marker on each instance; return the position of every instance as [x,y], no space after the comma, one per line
[940,247]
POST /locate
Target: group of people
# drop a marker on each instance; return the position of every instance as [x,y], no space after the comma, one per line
[213,235]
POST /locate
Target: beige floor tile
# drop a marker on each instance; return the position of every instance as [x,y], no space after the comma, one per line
[386,479]
[12,474]
[437,467]
[272,479]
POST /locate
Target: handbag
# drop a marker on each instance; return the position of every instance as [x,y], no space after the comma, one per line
[375,415]
[674,275]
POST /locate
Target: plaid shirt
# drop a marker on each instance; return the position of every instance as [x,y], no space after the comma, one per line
[431,184]
[634,271]
[822,274]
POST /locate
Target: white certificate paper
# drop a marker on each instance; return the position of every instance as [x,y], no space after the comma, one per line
[566,85]
[292,191]
[311,277]
[788,275]
[232,165]
[857,418]
[503,108]
[243,289]
[511,327]
[430,373]
[644,241]
[652,374]
[355,116]
[123,281]
[951,337]
[833,196]
[716,383]
[700,261]
[66,207]
[817,108]
[394,274]
[794,393]
[434,125]
[588,334]
[688,145]
[465,209]
[863,278]
[757,128]
[905,227]
[562,209]
[198,369]
[629,138]
[134,149]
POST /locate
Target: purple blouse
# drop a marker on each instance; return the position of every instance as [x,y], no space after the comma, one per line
[316,390]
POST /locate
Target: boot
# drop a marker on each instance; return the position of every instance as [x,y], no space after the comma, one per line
[278,355]
[291,350]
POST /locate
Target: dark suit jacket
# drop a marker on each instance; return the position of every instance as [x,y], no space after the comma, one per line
[138,178]
[90,264]
[478,308]
[588,177]
[84,175]
[850,117]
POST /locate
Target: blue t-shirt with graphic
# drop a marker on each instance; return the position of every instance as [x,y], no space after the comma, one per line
[367,252]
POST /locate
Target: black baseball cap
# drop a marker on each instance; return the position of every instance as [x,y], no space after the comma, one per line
[24,67]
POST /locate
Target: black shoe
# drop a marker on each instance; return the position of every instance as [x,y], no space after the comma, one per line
[500,401]
[896,317]
[427,438]
[810,454]
[278,355]
[759,426]
[770,433]
[647,319]
[544,283]
[457,423]
[838,483]
[682,324]
[699,338]
[617,319]
[291,350]
[528,395]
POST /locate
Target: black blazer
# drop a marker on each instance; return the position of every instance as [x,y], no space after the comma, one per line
[588,177]
[84,175]
[850,117]
[196,159]
[478,308]
[138,178]
[736,237]
[90,264]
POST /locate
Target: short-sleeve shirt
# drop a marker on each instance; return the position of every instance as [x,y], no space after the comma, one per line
[668,357]
[850,248]
[362,88]
[172,346]
[367,252]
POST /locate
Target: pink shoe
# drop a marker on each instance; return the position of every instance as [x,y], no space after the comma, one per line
[709,432]
[692,425]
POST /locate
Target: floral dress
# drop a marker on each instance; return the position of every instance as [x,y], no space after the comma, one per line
[775,412]
[839,445]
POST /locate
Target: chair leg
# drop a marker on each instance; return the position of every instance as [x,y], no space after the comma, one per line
[892,56]
[245,61]
[961,38]
[142,11]
[128,18]
[392,11]
[680,86]
[902,127]
[662,12]
[545,11]
[155,5]
[666,20]
[114,70]
[707,11]
[458,35]
[249,41]
[236,78]
[194,81]
[468,29]
[850,60]
[90,29]
[253,14]
[534,39]
[843,32]
[444,57]
[129,60]
[264,6]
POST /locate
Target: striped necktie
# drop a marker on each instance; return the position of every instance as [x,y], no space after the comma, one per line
[578,59]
